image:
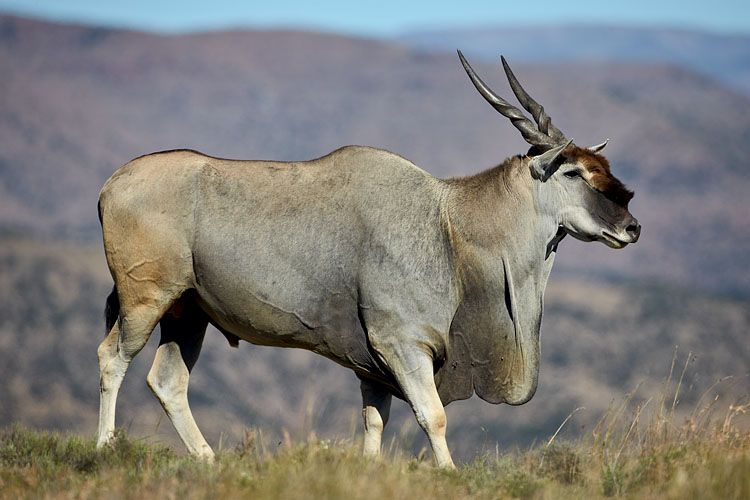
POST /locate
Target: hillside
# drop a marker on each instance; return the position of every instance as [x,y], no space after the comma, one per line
[722,57]
[600,340]
[77,101]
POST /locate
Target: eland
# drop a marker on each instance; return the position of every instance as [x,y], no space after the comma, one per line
[429,290]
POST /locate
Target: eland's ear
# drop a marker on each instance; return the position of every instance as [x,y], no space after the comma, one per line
[598,147]
[544,165]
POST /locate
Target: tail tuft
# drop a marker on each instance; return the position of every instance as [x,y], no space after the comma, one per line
[112,309]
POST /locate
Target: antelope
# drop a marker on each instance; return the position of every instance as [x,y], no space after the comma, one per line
[429,290]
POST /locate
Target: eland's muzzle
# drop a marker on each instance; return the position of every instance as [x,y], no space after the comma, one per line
[633,230]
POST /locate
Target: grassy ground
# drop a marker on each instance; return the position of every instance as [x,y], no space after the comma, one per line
[633,452]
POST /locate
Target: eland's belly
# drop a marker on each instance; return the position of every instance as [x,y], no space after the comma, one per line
[270,301]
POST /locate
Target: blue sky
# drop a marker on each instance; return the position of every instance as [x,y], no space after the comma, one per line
[387,17]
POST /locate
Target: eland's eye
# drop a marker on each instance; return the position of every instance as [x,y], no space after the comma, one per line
[571,174]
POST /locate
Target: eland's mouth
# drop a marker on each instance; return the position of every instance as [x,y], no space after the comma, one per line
[613,241]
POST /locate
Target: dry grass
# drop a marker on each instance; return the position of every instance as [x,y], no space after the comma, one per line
[638,450]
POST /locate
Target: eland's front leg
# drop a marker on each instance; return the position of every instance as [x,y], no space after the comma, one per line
[413,369]
[419,388]
[376,407]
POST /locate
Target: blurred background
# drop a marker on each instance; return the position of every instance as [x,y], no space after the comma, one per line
[85,86]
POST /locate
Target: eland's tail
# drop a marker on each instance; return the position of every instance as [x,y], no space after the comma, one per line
[111,309]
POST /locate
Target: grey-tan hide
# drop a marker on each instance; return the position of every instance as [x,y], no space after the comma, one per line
[359,256]
[347,256]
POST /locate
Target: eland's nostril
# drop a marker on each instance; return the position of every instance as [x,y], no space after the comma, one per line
[634,230]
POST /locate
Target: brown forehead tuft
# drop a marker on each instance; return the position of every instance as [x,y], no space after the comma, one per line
[600,177]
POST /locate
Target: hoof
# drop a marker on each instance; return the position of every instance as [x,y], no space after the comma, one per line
[204,454]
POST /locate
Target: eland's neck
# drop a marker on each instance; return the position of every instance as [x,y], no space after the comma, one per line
[496,214]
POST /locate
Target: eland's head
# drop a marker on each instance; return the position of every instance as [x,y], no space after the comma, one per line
[574,185]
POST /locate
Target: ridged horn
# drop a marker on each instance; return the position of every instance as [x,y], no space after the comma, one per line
[529,104]
[524,125]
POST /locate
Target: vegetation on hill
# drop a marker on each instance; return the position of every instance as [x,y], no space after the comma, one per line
[635,451]
[598,340]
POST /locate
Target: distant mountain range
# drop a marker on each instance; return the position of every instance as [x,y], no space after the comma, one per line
[723,57]
[78,101]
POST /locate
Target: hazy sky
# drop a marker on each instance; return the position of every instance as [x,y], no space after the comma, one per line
[385,17]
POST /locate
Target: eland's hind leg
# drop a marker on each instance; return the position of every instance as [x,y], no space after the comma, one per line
[182,332]
[376,407]
[111,372]
[126,338]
